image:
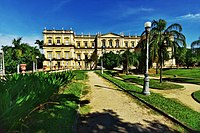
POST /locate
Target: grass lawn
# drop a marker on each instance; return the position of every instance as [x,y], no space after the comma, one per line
[196,96]
[183,75]
[60,116]
[167,105]
[191,73]
[155,84]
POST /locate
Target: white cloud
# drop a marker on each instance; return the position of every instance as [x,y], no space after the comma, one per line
[189,16]
[6,39]
[59,5]
[132,11]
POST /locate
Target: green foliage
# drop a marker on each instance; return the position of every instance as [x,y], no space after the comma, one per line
[167,105]
[58,117]
[180,56]
[21,94]
[20,53]
[190,59]
[162,38]
[80,74]
[129,58]
[183,75]
[110,60]
[40,43]
[197,95]
[190,73]
[155,84]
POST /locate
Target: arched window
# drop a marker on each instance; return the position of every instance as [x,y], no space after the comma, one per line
[103,43]
[117,43]
[110,43]
[132,44]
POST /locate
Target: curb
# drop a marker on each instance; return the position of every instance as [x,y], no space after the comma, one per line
[197,100]
[189,129]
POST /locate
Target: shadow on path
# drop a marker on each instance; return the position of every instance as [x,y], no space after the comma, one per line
[105,87]
[108,121]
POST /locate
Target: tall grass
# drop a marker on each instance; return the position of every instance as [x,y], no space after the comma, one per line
[21,94]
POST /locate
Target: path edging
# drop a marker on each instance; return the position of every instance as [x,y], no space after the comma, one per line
[197,100]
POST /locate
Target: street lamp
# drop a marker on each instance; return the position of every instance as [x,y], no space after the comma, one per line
[37,57]
[146,91]
[102,48]
[50,63]
[2,65]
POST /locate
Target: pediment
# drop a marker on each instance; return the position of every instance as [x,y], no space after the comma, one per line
[110,35]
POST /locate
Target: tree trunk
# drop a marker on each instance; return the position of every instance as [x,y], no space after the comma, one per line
[161,63]
[156,67]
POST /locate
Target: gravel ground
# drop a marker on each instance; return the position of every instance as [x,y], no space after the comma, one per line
[113,111]
[182,95]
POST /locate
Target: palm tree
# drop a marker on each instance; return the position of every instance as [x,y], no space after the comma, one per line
[17,51]
[40,43]
[17,42]
[162,38]
[195,43]
[127,59]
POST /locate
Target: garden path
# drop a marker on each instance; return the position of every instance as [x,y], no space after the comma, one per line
[114,111]
[183,95]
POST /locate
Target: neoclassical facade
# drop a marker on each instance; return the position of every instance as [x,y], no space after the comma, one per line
[64,49]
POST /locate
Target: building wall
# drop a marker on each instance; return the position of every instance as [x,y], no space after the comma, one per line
[65,50]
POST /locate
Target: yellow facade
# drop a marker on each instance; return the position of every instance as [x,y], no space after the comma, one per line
[64,49]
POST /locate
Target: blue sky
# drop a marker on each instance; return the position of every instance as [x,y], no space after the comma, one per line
[27,18]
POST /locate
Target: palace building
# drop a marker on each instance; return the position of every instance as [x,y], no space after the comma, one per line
[63,49]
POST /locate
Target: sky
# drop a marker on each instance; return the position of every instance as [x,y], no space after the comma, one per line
[28,18]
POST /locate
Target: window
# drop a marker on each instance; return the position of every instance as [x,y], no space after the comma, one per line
[110,43]
[92,44]
[66,63]
[79,56]
[132,44]
[117,43]
[78,44]
[86,44]
[86,56]
[103,43]
[58,55]
[49,55]
[49,42]
[67,42]
[66,55]
[126,44]
[58,42]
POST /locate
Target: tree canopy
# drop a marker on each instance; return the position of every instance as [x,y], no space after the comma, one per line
[20,53]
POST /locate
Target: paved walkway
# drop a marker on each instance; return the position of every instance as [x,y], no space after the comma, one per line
[114,111]
[182,95]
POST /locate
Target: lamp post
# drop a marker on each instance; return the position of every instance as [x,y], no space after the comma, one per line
[146,91]
[102,48]
[37,57]
[2,65]
[50,64]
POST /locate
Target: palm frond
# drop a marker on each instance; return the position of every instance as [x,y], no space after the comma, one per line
[154,23]
[174,26]
[195,43]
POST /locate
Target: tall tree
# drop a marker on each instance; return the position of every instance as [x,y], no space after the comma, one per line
[110,60]
[20,53]
[127,59]
[164,38]
[40,43]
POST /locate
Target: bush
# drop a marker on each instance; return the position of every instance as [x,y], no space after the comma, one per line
[21,94]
